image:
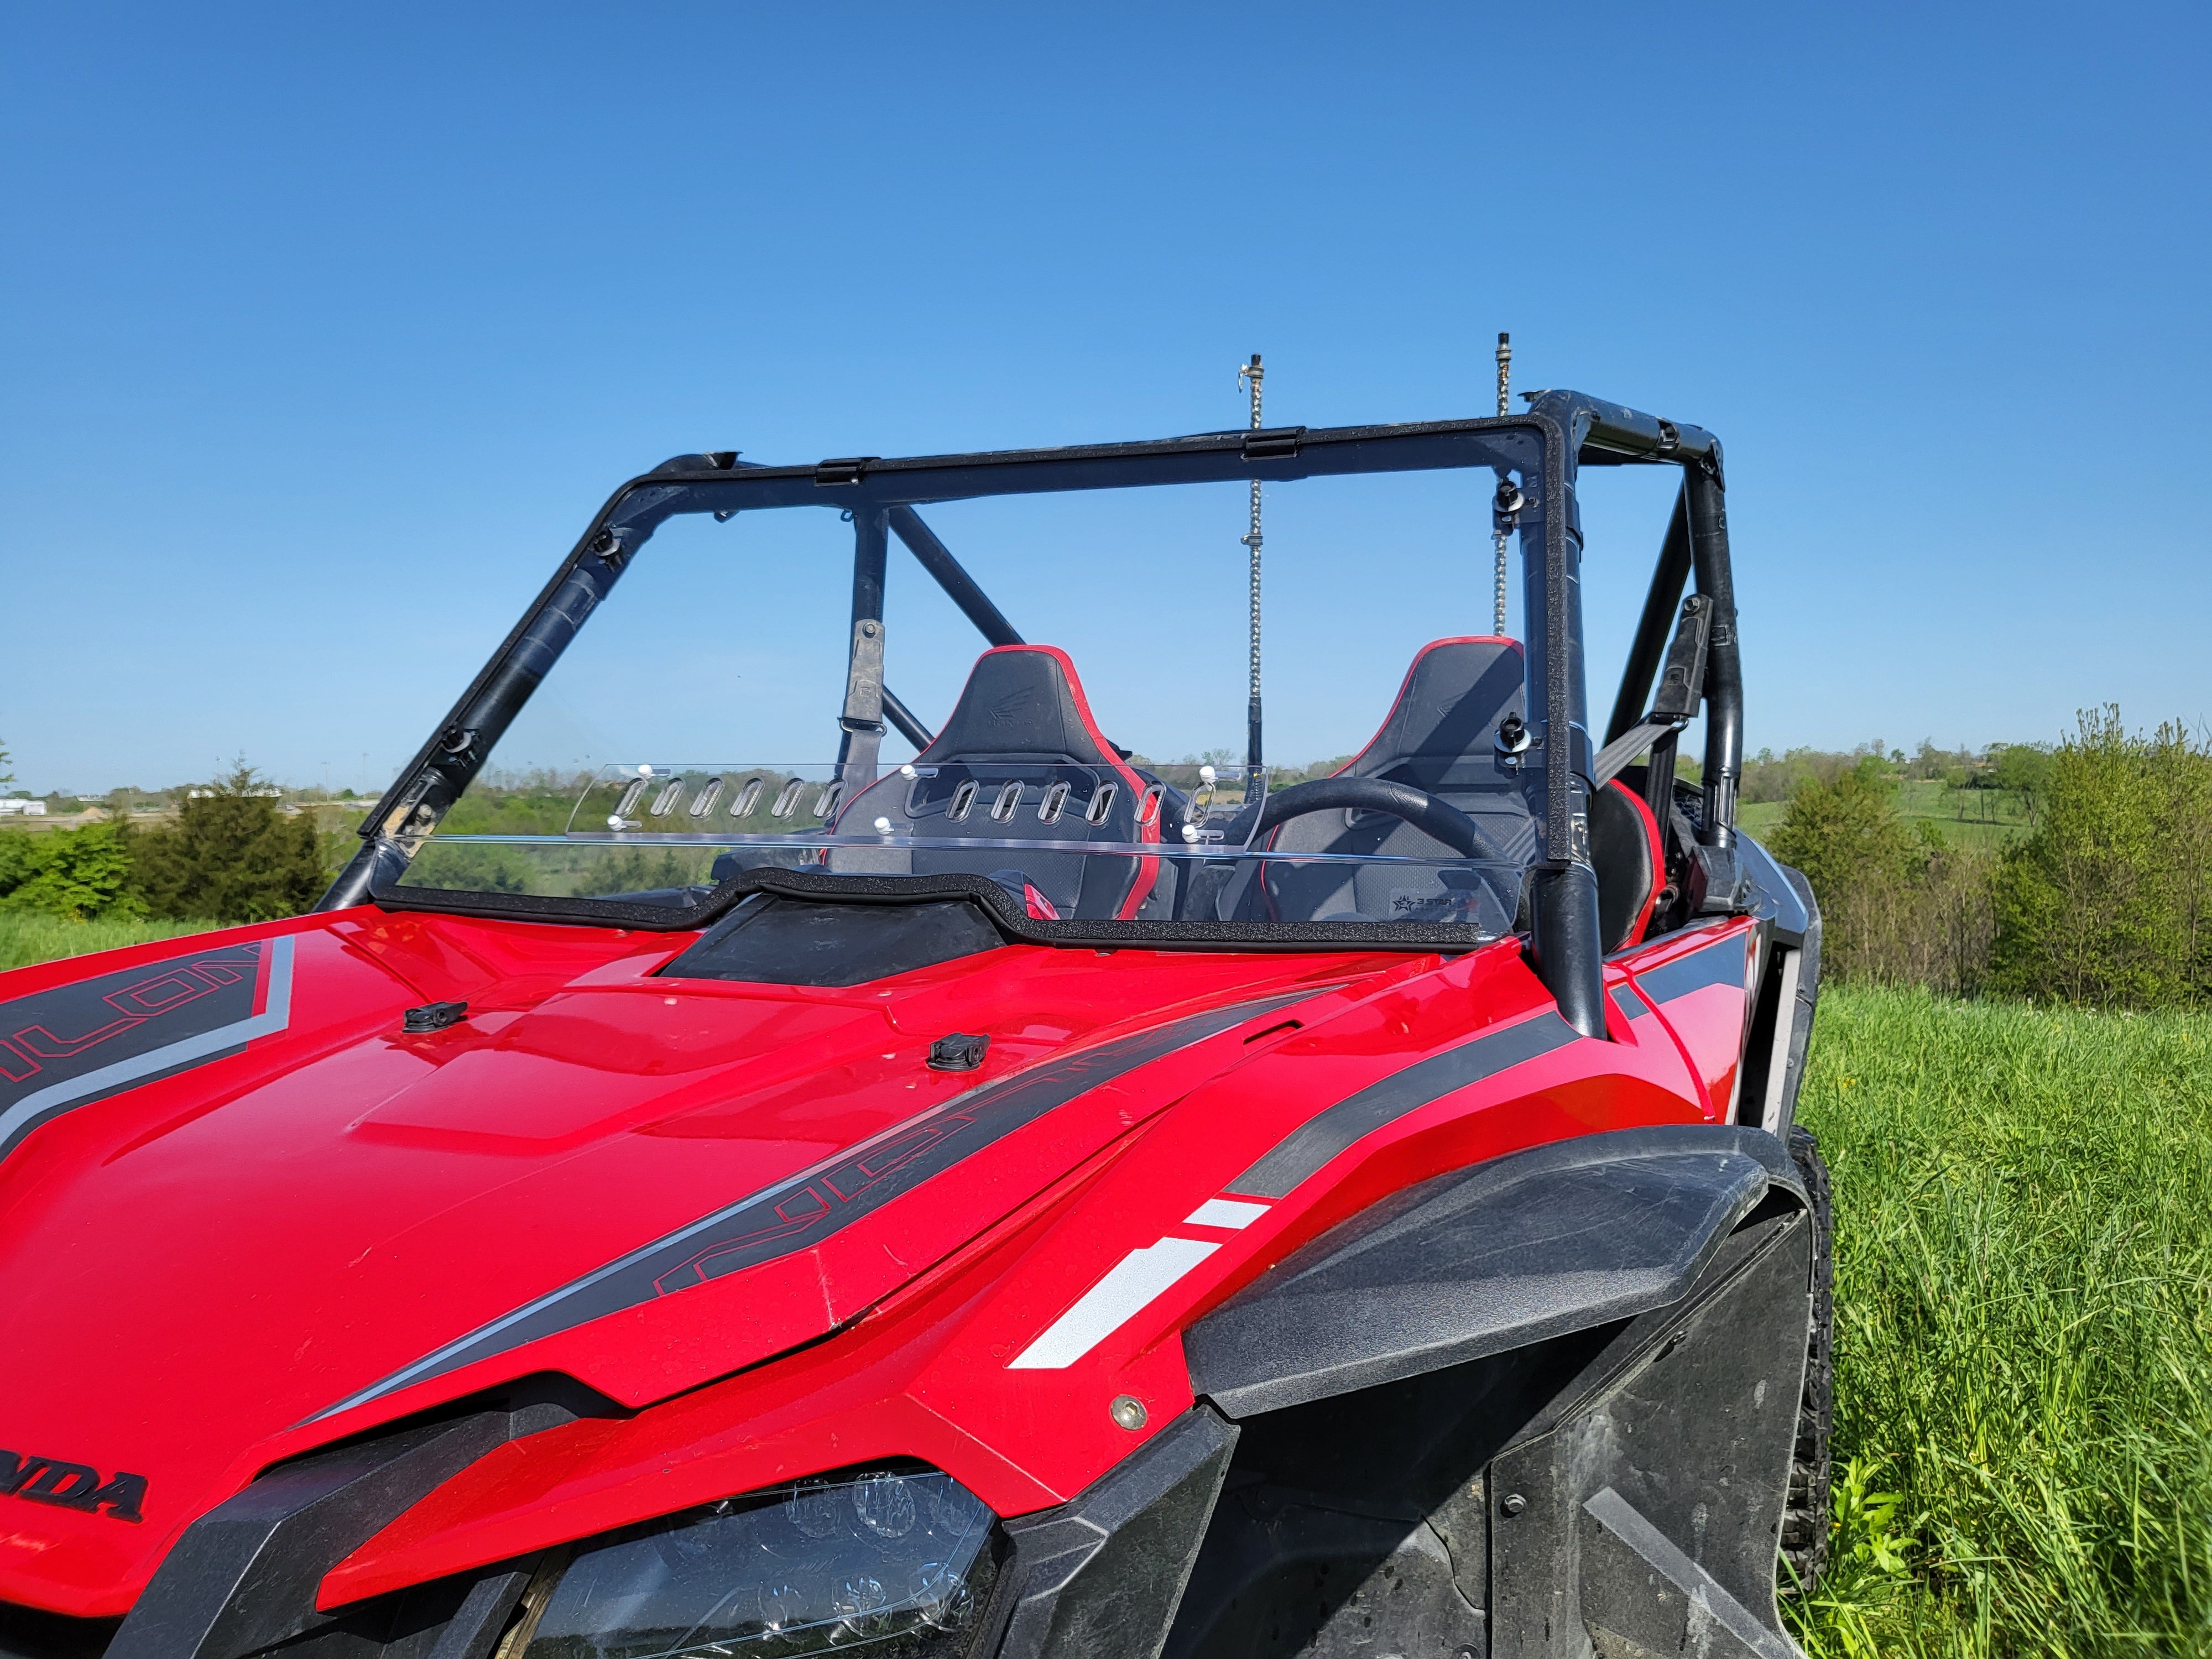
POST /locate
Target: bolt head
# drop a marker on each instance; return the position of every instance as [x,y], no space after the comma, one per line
[1514,1504]
[1127,1411]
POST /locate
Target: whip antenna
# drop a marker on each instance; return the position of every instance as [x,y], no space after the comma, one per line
[1498,522]
[1249,373]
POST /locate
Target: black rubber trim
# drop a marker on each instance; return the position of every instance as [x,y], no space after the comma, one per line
[1447,938]
[1302,1153]
[1101,1576]
[797,1213]
[1519,1249]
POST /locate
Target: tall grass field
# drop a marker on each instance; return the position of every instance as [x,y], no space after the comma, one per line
[2024,1327]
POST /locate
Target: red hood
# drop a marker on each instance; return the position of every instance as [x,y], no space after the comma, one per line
[320,1222]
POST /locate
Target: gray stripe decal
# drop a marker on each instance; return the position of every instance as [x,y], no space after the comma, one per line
[1716,965]
[1320,1138]
[1631,1006]
[34,1109]
[752,1230]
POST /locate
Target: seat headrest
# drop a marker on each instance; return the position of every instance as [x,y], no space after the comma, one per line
[1453,699]
[1021,702]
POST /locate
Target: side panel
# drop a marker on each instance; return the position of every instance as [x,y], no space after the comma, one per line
[1702,980]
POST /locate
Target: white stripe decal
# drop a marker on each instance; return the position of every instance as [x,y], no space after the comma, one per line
[1234,1212]
[275,1016]
[1136,1280]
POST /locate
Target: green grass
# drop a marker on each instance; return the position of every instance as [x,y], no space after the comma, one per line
[2024,1295]
[26,937]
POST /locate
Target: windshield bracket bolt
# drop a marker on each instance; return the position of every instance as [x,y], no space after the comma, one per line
[959,1052]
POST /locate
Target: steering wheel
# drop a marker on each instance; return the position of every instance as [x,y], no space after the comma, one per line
[1438,819]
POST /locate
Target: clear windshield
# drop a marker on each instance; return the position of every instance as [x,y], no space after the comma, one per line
[1102,776]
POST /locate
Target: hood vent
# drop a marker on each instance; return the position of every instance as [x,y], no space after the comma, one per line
[769,940]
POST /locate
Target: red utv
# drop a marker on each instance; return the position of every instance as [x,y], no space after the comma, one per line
[1017,1199]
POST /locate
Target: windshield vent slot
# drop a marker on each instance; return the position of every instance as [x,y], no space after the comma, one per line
[748,797]
[1055,801]
[1101,803]
[963,800]
[788,799]
[1002,810]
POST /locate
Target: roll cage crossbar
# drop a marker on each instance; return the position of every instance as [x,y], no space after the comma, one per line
[1560,432]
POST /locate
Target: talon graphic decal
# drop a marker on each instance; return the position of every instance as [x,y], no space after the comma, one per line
[65,1047]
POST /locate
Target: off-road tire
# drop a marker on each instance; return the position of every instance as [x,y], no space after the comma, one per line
[1805,1518]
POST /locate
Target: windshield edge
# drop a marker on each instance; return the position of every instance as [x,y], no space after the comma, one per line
[1431,938]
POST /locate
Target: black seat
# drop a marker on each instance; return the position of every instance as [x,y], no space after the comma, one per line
[1440,736]
[1021,719]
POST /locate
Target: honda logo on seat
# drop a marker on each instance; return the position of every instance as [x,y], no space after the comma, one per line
[71,1486]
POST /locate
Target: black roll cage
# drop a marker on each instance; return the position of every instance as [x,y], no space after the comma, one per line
[1561,431]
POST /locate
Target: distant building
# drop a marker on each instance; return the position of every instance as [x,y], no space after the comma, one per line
[27,809]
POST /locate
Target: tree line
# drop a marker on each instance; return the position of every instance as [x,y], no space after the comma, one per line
[232,855]
[2105,900]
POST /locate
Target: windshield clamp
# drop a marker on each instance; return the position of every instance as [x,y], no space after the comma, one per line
[1273,443]
[847,472]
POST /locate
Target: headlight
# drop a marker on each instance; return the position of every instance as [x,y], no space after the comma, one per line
[827,1565]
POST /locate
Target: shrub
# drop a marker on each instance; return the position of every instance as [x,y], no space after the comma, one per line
[2109,900]
[232,856]
[79,875]
[1845,832]
[1896,907]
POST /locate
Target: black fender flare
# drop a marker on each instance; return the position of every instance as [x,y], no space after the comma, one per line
[1510,1252]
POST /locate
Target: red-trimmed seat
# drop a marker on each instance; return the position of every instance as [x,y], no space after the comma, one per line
[1022,717]
[1441,736]
[1626,853]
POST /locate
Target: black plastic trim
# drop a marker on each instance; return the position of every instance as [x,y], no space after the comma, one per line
[1101,1576]
[244,1576]
[1537,1244]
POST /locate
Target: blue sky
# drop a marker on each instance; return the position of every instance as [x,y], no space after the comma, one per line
[322,331]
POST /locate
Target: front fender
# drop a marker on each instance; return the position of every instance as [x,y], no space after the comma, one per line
[1555,1239]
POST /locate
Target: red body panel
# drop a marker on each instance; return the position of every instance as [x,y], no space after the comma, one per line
[201,1268]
